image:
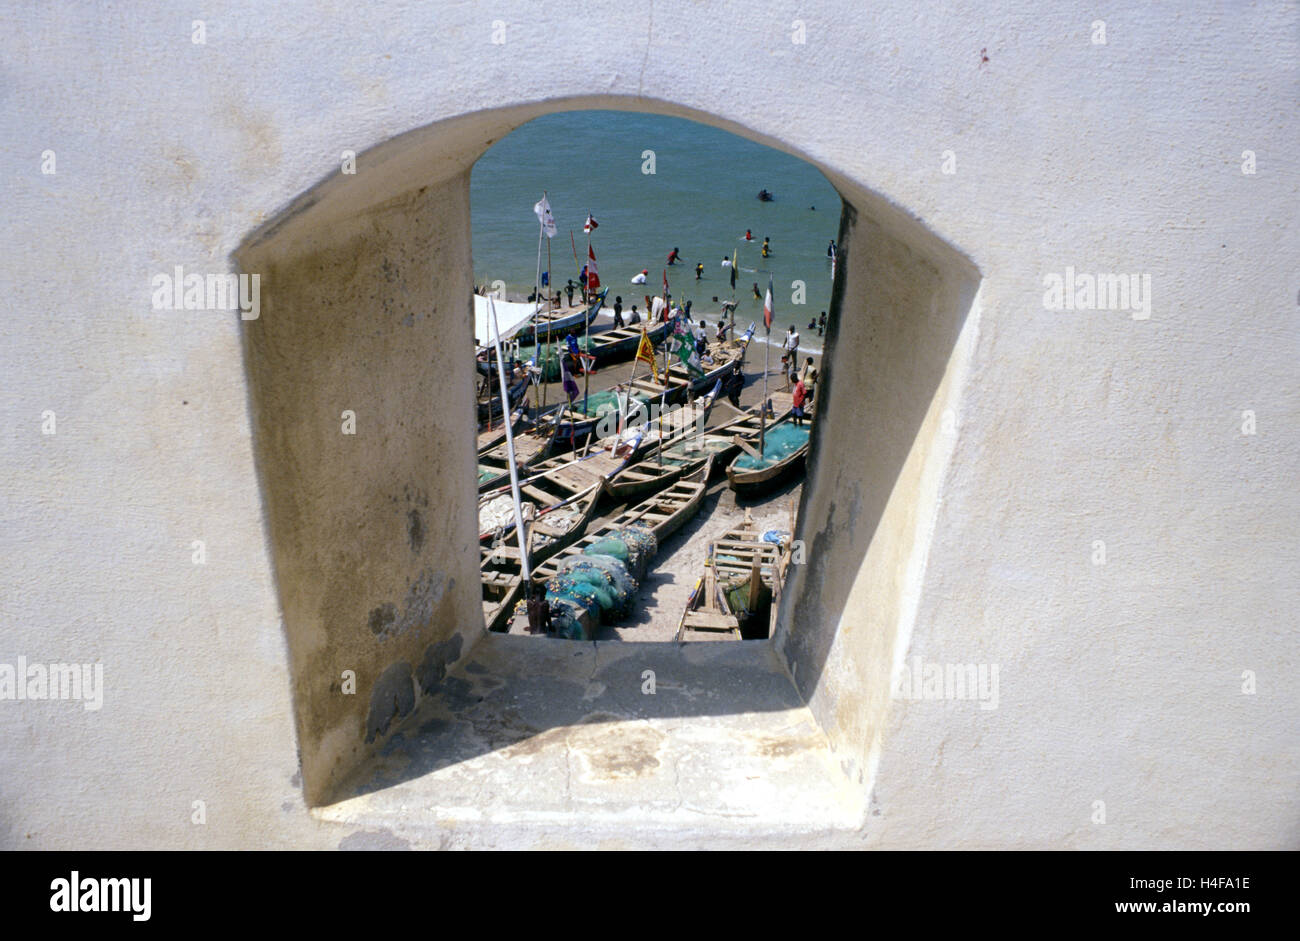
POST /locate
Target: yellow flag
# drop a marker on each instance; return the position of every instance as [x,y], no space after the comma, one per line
[645,352]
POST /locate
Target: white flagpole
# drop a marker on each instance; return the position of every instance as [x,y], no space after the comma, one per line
[510,451]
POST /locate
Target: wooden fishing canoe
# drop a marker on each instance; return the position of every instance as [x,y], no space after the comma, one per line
[674,385]
[531,448]
[550,532]
[741,577]
[685,453]
[750,483]
[664,514]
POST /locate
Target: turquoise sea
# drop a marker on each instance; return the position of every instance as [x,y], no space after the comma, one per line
[701,199]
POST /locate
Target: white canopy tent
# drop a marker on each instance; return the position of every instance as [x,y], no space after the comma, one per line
[511,316]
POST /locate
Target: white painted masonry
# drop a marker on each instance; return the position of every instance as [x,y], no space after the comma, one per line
[983,444]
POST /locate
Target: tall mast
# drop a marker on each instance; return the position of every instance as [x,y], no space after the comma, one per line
[510,450]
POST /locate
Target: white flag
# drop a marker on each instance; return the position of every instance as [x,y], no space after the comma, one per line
[543,211]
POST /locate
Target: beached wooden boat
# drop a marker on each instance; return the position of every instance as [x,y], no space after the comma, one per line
[557,323]
[557,500]
[531,447]
[732,599]
[663,514]
[549,531]
[606,347]
[677,382]
[683,455]
[754,482]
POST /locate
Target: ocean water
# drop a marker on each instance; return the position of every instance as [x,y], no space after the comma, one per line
[701,199]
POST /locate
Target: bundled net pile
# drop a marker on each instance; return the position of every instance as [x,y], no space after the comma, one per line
[599,584]
[780,443]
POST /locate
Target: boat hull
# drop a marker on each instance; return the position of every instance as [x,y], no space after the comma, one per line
[756,483]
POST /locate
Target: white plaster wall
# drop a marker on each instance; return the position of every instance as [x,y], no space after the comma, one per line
[1118,683]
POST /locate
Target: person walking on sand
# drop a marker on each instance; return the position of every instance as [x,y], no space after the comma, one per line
[618,312]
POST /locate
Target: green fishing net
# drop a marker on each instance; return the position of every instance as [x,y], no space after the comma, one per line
[779,443]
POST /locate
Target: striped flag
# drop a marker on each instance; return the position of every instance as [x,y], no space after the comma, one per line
[593,279]
[589,224]
[645,352]
[767,306]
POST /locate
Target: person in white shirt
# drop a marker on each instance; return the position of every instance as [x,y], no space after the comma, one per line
[791,347]
[640,279]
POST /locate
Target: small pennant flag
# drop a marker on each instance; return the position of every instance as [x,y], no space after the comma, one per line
[767,306]
[733,271]
[645,352]
[593,279]
[665,282]
[543,211]
[589,224]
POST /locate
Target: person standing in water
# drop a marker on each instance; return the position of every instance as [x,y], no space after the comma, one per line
[757,295]
[830,249]
[699,270]
[766,246]
[673,256]
[821,324]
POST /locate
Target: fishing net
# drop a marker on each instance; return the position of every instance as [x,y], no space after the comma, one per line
[615,588]
[633,545]
[599,403]
[548,355]
[780,442]
[566,618]
[487,473]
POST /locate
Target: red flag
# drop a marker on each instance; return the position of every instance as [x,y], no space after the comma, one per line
[767,306]
[593,279]
[589,224]
[665,282]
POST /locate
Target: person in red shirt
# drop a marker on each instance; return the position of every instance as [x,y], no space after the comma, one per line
[796,413]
